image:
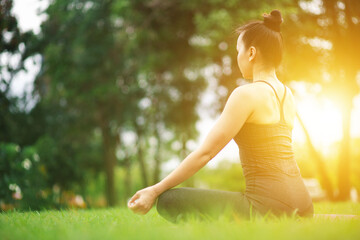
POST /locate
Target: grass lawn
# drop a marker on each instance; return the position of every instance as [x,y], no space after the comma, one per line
[121,223]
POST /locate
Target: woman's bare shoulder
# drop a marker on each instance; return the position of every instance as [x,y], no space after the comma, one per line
[246,88]
[251,91]
[246,93]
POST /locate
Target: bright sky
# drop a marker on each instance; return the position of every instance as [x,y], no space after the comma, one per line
[26,12]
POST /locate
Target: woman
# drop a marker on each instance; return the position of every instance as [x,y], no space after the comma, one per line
[259,117]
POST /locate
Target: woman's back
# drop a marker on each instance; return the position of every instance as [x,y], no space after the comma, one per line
[273,179]
[268,110]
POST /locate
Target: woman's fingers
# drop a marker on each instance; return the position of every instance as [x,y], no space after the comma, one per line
[135,206]
[139,207]
[139,211]
[133,199]
[142,201]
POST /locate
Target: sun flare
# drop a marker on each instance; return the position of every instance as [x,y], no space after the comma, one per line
[322,119]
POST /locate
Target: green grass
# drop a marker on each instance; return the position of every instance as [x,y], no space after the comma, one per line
[121,223]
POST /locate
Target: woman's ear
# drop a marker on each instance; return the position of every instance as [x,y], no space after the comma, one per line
[252,53]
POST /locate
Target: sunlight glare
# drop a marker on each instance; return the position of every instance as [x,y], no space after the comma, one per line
[322,118]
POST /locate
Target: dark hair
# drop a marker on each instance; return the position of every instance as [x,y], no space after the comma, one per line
[266,36]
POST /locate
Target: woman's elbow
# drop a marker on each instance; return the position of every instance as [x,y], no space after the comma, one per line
[204,156]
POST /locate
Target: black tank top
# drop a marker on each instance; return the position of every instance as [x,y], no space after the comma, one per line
[272,176]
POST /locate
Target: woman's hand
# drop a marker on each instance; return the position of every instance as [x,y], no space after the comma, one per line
[143,200]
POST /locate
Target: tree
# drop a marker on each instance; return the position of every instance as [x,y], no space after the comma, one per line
[13,49]
[336,23]
[163,56]
[94,56]
[80,71]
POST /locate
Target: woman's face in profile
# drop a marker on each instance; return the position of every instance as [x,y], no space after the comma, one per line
[243,58]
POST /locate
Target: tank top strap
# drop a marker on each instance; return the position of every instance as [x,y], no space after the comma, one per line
[280,102]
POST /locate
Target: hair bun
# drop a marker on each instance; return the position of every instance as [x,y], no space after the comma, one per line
[273,20]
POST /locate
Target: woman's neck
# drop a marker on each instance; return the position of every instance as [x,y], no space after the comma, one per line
[264,74]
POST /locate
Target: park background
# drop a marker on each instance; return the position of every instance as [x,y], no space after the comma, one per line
[99,99]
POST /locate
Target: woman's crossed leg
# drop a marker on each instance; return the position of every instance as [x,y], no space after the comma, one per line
[181,203]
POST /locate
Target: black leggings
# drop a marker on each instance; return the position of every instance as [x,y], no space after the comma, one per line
[180,203]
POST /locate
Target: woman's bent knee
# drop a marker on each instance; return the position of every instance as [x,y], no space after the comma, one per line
[166,205]
[169,199]
[163,201]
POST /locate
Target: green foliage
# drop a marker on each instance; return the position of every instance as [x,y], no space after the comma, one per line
[23,178]
[28,175]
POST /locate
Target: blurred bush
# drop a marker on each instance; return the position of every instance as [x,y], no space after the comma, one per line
[22,178]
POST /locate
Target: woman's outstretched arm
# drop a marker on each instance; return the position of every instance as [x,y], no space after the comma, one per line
[187,168]
[238,108]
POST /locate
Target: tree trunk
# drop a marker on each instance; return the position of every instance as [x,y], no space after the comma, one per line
[157,159]
[127,168]
[127,180]
[344,159]
[184,152]
[109,162]
[347,56]
[324,177]
[140,155]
